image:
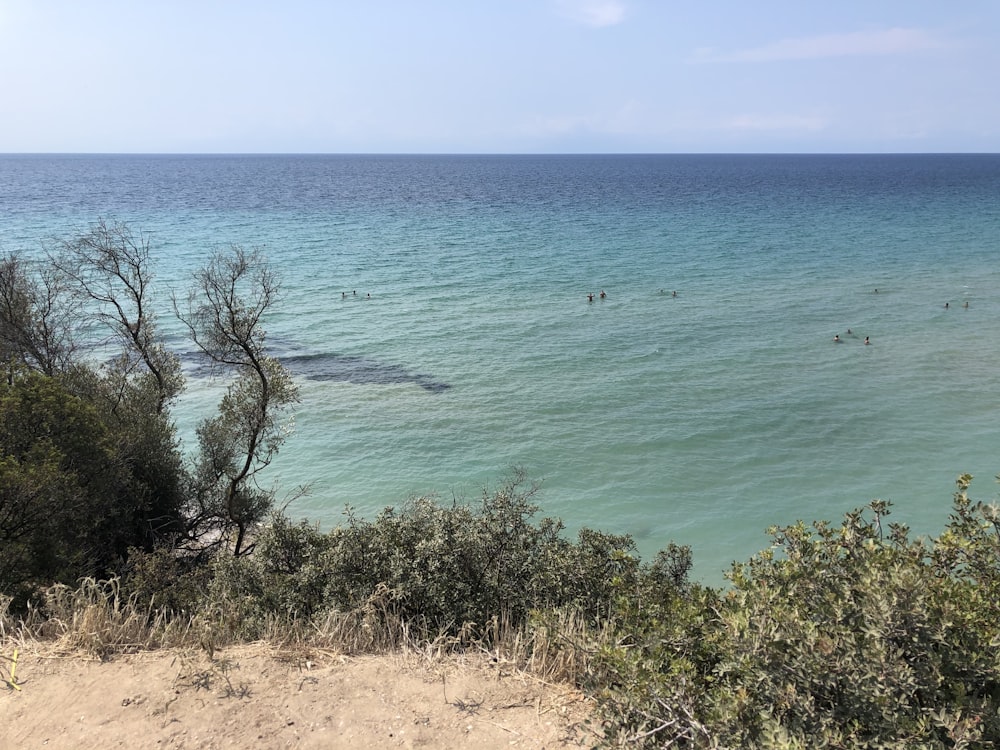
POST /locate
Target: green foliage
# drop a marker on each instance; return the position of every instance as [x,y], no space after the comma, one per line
[66,502]
[448,565]
[283,581]
[161,580]
[851,636]
[456,564]
[144,442]
[80,483]
[442,569]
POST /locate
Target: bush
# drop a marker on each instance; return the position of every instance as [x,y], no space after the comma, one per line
[850,636]
[449,566]
[440,569]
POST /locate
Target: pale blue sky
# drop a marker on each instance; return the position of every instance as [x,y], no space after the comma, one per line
[500,76]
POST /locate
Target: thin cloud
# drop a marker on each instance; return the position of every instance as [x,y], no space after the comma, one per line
[625,119]
[775,122]
[595,13]
[896,41]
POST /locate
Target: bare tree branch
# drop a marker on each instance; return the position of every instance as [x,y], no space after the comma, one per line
[38,317]
[113,267]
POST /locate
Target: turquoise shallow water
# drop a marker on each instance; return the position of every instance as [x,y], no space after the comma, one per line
[700,418]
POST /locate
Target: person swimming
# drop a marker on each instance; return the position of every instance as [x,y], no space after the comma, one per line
[836,339]
[590,298]
[603,295]
[867,341]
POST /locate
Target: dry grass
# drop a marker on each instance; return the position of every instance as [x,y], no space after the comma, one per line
[518,682]
[97,620]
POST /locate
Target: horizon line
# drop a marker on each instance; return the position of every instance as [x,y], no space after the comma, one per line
[499,153]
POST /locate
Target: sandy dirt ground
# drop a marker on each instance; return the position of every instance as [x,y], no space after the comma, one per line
[250,697]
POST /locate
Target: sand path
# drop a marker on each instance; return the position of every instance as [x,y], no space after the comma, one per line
[250,697]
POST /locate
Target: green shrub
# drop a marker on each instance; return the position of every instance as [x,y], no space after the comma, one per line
[851,636]
[440,569]
[167,582]
[282,581]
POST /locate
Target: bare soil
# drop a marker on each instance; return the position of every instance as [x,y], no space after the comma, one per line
[256,697]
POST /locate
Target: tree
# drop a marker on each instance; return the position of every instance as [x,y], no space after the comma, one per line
[90,465]
[38,316]
[67,505]
[111,266]
[109,269]
[224,315]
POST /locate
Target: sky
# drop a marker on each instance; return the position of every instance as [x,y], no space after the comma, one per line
[499,76]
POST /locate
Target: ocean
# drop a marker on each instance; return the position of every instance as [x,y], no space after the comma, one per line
[435,314]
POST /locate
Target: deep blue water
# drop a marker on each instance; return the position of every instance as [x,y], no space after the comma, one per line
[700,418]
